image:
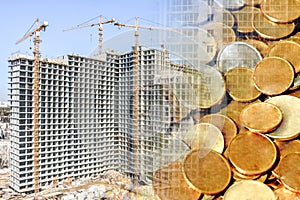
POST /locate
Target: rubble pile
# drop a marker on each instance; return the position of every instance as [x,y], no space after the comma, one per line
[105,186]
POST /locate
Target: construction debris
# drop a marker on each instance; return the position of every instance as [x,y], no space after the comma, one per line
[108,185]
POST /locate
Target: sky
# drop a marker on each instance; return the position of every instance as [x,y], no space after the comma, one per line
[17,16]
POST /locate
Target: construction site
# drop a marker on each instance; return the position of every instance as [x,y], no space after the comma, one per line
[174,117]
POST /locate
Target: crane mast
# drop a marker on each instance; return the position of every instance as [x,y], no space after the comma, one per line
[37,55]
[136,95]
[136,101]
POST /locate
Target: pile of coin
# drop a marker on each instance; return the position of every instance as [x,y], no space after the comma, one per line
[245,142]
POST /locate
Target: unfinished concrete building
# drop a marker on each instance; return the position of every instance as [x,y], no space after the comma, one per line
[85,116]
[77,128]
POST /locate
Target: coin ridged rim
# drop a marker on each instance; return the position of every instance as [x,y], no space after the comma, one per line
[236,188]
[222,159]
[270,15]
[262,106]
[262,87]
[235,162]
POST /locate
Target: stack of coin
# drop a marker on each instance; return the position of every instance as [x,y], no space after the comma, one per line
[248,147]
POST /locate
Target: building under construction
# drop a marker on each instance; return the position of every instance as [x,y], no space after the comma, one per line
[86,116]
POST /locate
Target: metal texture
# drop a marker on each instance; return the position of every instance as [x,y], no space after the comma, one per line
[287,50]
[239,84]
[261,117]
[252,153]
[209,175]
[204,136]
[249,190]
[290,126]
[281,11]
[224,123]
[273,75]
[270,30]
[237,54]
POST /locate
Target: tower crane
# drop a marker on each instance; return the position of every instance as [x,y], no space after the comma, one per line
[136,86]
[37,55]
[100,23]
[136,96]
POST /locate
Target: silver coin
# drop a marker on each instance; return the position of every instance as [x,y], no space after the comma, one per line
[290,126]
[200,88]
[237,54]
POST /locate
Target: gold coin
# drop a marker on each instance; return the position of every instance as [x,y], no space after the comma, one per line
[262,178]
[286,147]
[289,170]
[262,47]
[249,190]
[223,34]
[239,177]
[281,11]
[252,2]
[204,136]
[224,123]
[282,193]
[287,50]
[261,117]
[233,110]
[240,85]
[271,30]
[297,34]
[169,183]
[290,126]
[252,153]
[295,93]
[294,39]
[209,174]
[273,75]
[244,18]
